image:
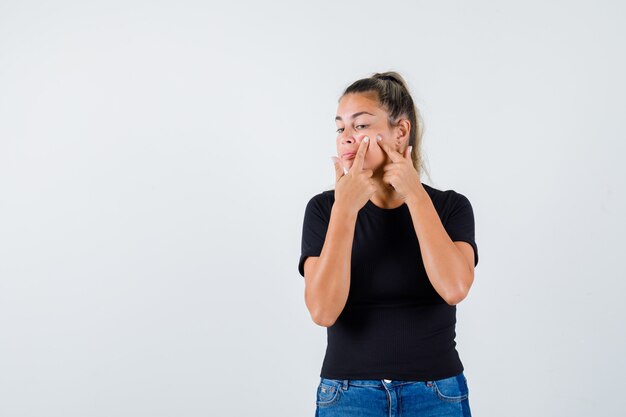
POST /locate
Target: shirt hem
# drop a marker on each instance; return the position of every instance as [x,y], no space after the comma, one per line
[396,376]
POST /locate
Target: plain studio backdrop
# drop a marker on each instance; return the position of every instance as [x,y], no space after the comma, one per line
[156,159]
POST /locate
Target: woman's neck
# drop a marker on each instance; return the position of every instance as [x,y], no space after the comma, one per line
[385,196]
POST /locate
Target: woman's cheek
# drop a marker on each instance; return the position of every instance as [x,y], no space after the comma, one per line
[373,156]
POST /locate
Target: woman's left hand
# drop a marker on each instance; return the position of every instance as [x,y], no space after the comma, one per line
[400,173]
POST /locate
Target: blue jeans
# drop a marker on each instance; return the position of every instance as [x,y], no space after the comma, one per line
[447,397]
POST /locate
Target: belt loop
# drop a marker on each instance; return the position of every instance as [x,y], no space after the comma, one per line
[345,385]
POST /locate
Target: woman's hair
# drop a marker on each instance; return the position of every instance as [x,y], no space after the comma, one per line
[394,97]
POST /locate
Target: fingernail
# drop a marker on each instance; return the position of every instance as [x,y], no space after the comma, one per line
[379,138]
[366,139]
[410,149]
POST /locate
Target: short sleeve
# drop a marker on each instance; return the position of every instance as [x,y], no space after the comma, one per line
[314,227]
[460,223]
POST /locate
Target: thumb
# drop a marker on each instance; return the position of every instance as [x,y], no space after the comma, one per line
[339,171]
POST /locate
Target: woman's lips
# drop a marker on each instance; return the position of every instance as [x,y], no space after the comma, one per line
[348,155]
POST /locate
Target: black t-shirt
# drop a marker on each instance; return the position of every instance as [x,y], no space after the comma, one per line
[394,324]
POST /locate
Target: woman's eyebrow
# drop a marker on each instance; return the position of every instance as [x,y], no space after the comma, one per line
[355,115]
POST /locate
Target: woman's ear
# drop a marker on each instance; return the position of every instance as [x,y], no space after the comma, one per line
[403,129]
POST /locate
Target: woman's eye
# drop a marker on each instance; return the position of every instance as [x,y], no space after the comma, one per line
[357,127]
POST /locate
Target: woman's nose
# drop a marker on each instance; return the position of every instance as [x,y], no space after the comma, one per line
[349,139]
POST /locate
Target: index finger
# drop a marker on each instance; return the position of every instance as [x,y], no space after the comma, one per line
[394,155]
[360,155]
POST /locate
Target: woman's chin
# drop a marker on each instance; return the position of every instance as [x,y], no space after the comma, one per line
[349,162]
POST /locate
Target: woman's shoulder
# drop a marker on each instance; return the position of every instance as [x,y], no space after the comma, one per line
[324,195]
[444,198]
[322,201]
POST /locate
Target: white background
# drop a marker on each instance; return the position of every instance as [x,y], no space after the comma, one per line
[156,159]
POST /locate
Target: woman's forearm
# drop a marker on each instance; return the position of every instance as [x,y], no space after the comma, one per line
[327,293]
[445,264]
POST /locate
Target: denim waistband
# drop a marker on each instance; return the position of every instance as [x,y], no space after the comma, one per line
[345,383]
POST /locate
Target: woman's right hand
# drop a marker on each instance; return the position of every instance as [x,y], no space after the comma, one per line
[354,188]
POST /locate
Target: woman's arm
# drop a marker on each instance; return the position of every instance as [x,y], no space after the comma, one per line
[327,277]
[449,265]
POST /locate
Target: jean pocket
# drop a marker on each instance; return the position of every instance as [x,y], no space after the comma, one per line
[327,394]
[452,389]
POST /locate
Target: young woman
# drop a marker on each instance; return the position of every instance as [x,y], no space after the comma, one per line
[385,259]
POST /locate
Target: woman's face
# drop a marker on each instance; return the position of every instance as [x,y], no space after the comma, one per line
[359,115]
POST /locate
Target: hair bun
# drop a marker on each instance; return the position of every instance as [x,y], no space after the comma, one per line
[387,77]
